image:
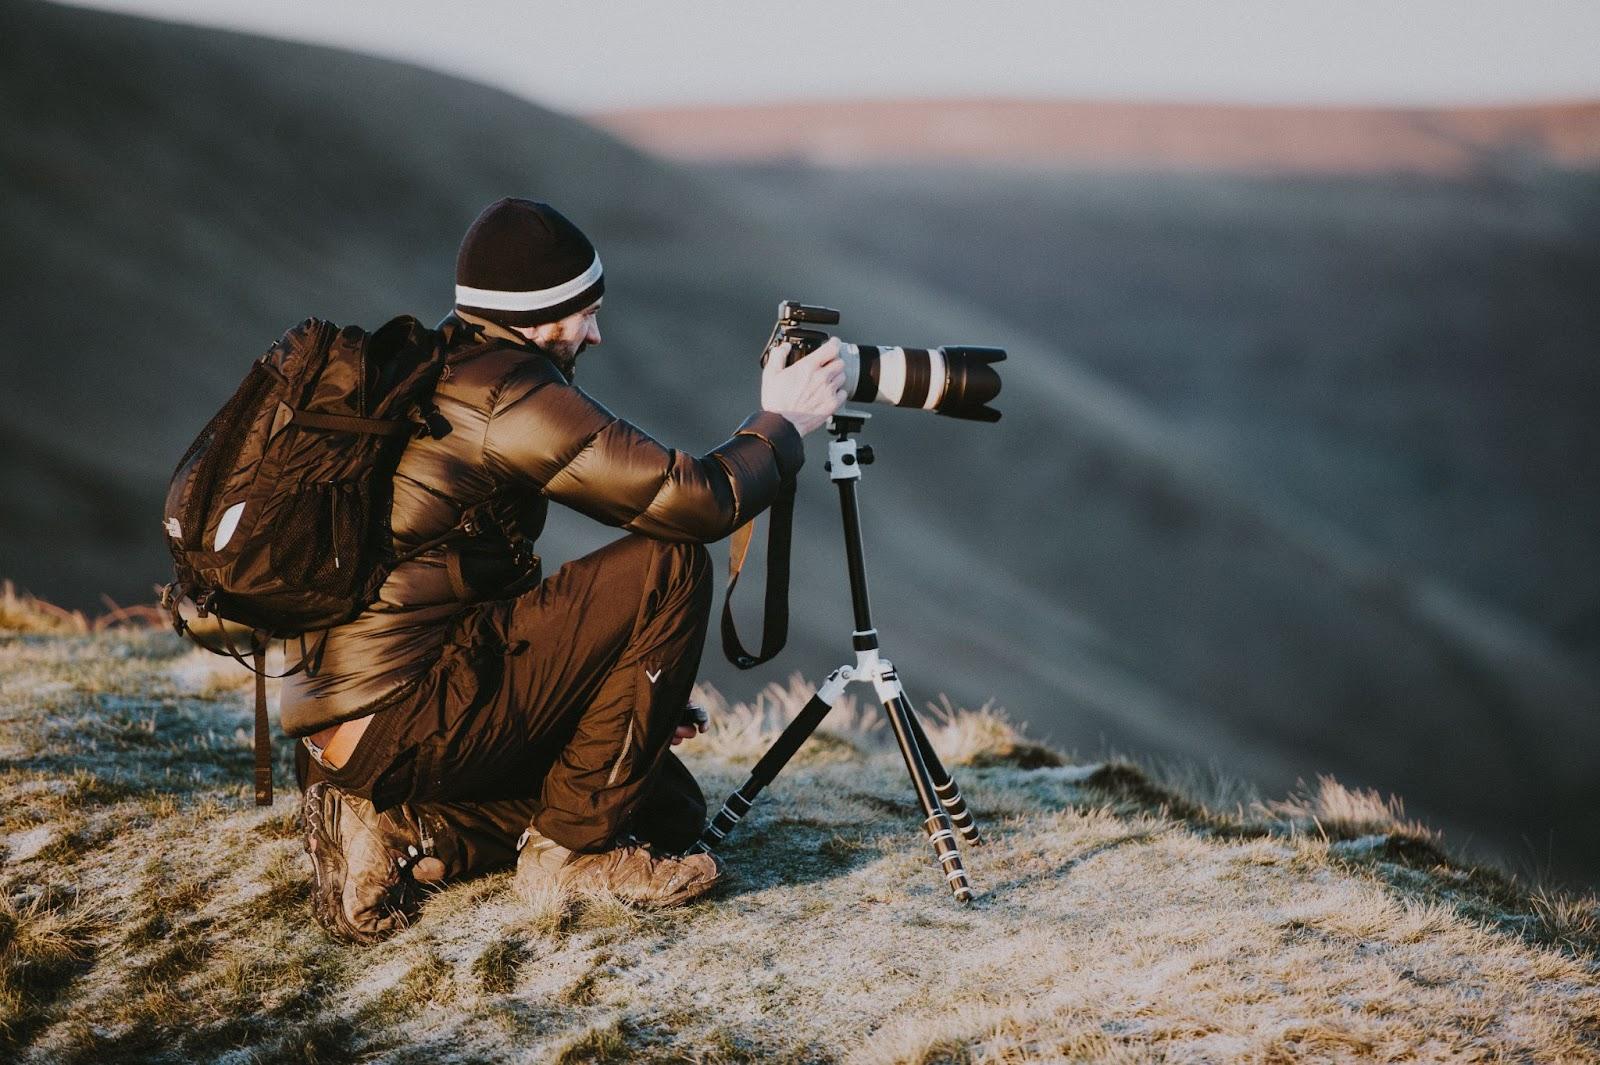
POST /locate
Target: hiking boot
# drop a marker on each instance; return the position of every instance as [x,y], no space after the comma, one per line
[369,867]
[632,871]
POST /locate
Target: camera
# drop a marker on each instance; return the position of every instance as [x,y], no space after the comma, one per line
[957,381]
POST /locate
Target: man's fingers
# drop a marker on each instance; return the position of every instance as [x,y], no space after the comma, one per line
[830,373]
[778,357]
[821,355]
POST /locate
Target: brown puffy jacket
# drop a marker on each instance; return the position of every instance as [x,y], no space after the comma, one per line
[518,426]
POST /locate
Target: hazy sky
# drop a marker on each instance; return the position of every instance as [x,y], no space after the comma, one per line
[624,53]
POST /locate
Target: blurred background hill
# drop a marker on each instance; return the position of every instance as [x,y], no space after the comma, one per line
[1296,470]
[1120,135]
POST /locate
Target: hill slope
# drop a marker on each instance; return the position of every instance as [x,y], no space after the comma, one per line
[173,198]
[1408,356]
[147,913]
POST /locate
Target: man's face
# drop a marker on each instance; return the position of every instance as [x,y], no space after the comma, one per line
[566,338]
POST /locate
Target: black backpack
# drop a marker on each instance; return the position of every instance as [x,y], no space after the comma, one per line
[278,514]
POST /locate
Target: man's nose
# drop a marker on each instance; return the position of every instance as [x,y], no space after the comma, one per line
[594,333]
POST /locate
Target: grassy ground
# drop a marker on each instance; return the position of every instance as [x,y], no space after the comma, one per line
[149,913]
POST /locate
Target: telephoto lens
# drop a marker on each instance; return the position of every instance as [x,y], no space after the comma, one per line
[957,381]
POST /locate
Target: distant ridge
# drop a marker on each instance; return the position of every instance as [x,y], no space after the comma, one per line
[1110,135]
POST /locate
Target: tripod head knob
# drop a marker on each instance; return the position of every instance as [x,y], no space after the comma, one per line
[864,454]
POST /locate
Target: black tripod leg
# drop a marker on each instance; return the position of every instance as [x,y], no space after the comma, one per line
[941,833]
[944,785]
[771,763]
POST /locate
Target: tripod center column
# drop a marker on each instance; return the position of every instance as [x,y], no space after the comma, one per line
[844,466]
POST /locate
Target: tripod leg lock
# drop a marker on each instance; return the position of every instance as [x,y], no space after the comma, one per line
[833,687]
[943,838]
[886,680]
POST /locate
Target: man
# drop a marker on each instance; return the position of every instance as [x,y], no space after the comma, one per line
[475,712]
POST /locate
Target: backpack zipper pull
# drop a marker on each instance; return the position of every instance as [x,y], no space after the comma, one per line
[333,527]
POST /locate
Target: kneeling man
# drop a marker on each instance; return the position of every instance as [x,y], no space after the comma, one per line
[476,713]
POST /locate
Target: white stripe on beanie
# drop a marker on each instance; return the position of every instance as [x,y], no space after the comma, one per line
[496,300]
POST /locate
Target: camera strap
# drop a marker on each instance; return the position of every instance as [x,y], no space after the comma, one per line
[775,620]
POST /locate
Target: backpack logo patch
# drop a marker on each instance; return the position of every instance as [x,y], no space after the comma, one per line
[225,527]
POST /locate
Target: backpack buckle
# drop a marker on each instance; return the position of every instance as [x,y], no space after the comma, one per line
[522,553]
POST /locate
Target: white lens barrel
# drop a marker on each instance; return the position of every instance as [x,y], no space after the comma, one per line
[891,375]
[904,377]
[851,356]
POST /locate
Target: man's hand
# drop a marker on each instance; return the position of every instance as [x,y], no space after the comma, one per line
[808,392]
[686,732]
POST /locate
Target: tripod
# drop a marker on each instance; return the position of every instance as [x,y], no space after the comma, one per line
[944,810]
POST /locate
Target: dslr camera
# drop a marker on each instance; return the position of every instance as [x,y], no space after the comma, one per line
[957,381]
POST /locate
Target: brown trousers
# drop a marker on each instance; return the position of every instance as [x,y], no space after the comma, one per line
[555,708]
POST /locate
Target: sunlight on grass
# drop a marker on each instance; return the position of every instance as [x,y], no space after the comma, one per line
[1125,912]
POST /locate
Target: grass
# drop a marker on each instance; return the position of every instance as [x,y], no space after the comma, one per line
[1125,913]
[24,613]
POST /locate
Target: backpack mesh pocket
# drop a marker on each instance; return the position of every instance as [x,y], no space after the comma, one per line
[318,537]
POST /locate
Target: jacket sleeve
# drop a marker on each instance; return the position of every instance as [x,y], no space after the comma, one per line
[551,435]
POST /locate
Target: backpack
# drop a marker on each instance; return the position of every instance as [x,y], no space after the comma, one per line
[278,514]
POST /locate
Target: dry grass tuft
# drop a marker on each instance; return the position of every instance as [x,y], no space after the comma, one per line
[742,732]
[1335,812]
[550,910]
[603,1044]
[496,968]
[429,983]
[1567,918]
[44,941]
[984,737]
[24,613]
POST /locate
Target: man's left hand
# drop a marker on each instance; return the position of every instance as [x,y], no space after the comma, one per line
[686,732]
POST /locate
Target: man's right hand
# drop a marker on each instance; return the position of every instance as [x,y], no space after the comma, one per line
[810,391]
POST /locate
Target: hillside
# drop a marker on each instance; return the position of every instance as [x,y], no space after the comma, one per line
[148,913]
[1408,357]
[174,197]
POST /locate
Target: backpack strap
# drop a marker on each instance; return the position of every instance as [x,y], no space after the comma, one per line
[309,662]
[263,737]
[775,619]
[349,423]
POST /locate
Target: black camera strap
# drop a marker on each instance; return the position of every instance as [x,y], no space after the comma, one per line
[775,620]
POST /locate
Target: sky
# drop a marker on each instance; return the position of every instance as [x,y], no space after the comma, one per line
[584,57]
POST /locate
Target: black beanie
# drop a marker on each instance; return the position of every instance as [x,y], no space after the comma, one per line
[522,263]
